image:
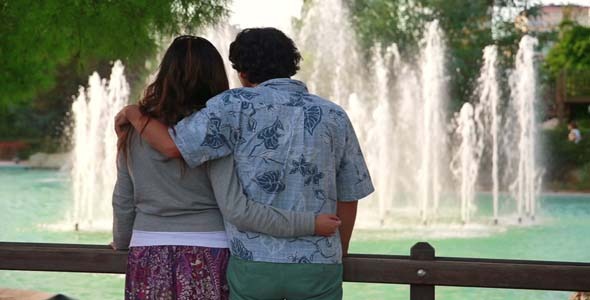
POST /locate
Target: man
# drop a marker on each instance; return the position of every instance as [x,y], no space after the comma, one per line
[292,150]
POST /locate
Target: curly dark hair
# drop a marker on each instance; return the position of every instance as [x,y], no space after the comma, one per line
[263,54]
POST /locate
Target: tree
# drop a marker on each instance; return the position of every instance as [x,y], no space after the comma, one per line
[570,56]
[48,48]
[572,51]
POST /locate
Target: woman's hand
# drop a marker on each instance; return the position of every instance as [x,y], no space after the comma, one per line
[112,244]
[326,225]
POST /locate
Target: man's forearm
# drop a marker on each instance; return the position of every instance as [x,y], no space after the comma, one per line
[347,213]
[155,133]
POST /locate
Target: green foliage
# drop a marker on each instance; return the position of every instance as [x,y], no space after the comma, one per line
[387,22]
[36,37]
[572,51]
[48,48]
[563,158]
[585,176]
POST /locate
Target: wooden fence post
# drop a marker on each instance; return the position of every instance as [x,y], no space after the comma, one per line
[422,251]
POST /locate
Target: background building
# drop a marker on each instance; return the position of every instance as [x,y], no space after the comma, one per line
[550,16]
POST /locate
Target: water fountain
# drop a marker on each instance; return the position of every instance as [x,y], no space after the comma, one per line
[523,82]
[465,164]
[398,106]
[489,117]
[391,102]
[94,153]
[425,170]
[431,134]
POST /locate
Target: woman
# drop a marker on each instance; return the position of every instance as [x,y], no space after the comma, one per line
[166,213]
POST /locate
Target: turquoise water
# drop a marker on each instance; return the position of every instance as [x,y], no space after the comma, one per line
[31,198]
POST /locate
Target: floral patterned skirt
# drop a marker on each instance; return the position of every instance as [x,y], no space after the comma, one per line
[176,272]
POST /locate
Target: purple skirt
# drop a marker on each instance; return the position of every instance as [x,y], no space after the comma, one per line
[176,272]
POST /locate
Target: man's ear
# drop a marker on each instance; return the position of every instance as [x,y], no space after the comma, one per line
[244,80]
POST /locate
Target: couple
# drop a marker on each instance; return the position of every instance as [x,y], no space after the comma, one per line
[269,171]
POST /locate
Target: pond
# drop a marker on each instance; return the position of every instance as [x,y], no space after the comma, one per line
[31,201]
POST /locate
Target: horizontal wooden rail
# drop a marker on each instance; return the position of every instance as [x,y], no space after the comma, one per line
[421,270]
[62,258]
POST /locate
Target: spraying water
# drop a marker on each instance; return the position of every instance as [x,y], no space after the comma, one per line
[466,161]
[489,116]
[95,148]
[523,82]
[432,133]
[398,106]
[383,118]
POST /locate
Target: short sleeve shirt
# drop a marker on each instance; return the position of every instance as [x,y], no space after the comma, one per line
[292,150]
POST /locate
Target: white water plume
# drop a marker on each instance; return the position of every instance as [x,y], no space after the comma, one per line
[523,83]
[465,164]
[432,134]
[398,105]
[95,149]
[489,116]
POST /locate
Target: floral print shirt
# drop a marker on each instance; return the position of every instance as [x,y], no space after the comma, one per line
[292,150]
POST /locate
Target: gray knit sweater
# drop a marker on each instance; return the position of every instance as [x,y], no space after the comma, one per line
[154,193]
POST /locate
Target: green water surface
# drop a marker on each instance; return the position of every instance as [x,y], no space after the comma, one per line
[31,198]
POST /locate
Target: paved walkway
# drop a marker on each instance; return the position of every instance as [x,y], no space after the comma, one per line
[10,163]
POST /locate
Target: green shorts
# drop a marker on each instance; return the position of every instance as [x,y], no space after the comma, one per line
[253,280]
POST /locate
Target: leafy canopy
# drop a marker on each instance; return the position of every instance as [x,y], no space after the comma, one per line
[48,48]
[572,51]
[37,37]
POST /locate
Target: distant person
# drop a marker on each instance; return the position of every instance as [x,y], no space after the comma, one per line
[170,216]
[293,150]
[574,133]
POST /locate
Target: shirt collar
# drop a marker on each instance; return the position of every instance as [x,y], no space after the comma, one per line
[285,84]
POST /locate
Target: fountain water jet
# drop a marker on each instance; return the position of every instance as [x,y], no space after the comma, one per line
[398,106]
[467,158]
[432,133]
[523,82]
[489,115]
[95,149]
[383,118]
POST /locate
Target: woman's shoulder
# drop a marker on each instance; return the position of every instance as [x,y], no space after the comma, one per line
[139,147]
[142,153]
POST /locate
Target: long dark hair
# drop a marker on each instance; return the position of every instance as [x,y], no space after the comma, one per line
[190,73]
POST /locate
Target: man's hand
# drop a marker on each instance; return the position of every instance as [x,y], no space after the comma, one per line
[122,121]
[326,225]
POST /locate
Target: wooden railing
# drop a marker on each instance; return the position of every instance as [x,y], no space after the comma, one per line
[422,270]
